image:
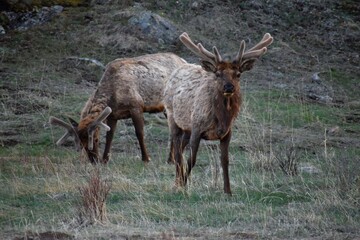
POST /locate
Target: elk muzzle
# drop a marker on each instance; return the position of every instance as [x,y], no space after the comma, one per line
[228,90]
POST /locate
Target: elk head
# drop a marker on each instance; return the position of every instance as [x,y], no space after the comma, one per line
[228,72]
[85,133]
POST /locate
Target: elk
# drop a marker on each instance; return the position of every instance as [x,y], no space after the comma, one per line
[128,88]
[202,102]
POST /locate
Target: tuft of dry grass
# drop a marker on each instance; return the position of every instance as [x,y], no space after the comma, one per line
[93,196]
[288,159]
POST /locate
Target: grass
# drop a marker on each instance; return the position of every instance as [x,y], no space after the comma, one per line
[42,193]
[42,180]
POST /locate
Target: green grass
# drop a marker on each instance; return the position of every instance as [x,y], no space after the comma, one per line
[284,108]
[42,180]
[144,194]
[347,82]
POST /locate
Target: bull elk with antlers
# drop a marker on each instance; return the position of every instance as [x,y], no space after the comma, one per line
[128,87]
[202,102]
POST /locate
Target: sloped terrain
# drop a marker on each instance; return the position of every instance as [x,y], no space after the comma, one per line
[311,39]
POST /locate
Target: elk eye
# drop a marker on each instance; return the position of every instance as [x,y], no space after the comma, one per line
[218,73]
[238,74]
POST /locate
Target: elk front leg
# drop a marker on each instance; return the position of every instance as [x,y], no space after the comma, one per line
[109,137]
[194,146]
[224,148]
[138,121]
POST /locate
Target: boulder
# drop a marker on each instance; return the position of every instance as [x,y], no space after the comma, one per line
[148,25]
[24,21]
[29,5]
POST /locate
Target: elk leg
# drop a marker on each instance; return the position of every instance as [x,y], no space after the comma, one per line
[194,146]
[109,137]
[180,173]
[184,142]
[171,158]
[173,131]
[138,121]
[176,134]
[224,148]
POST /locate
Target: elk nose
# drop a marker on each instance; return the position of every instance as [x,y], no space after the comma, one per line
[228,88]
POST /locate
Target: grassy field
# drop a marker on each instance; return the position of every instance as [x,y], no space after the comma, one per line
[41,183]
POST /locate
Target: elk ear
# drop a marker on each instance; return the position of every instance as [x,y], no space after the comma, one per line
[207,66]
[247,65]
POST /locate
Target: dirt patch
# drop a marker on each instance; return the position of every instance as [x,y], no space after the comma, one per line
[45,236]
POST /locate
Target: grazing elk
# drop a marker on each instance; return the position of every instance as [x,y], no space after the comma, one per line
[128,87]
[202,102]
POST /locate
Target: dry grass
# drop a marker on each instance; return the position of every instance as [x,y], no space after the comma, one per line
[94,194]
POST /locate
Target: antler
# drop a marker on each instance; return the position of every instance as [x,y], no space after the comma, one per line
[200,51]
[70,131]
[259,49]
[214,58]
[98,122]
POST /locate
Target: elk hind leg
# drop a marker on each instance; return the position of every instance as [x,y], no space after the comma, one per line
[176,134]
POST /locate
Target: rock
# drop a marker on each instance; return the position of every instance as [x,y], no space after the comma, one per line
[195,5]
[280,85]
[320,98]
[315,78]
[354,104]
[309,169]
[333,130]
[154,27]
[29,5]
[24,21]
[2,30]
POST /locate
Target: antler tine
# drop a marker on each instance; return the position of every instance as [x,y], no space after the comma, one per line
[63,138]
[103,116]
[240,54]
[98,122]
[185,39]
[260,48]
[199,50]
[61,123]
[254,54]
[265,41]
[218,57]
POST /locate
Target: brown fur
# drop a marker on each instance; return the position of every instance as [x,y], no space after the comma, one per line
[129,86]
[197,109]
[200,105]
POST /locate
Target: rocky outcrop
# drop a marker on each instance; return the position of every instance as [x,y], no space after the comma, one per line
[24,21]
[148,25]
[30,5]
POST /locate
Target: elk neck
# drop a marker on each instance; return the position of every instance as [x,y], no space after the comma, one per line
[226,110]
